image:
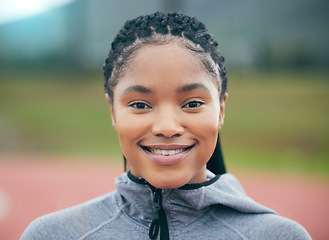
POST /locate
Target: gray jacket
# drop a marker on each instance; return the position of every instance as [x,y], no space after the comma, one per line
[216,209]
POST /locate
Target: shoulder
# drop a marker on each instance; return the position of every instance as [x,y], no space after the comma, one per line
[73,222]
[261,225]
[277,227]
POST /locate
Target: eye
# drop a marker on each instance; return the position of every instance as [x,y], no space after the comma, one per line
[139,105]
[193,104]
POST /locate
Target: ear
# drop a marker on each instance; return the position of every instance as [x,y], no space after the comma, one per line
[111,110]
[222,111]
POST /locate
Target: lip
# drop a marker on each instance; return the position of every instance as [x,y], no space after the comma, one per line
[167,160]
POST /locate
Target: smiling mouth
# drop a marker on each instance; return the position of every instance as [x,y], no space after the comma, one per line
[166,152]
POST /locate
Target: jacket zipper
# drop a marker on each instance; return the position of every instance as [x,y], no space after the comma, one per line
[159,220]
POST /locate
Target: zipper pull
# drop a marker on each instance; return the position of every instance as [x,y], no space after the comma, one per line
[156,207]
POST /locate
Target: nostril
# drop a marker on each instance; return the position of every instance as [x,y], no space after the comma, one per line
[168,131]
[168,134]
[177,135]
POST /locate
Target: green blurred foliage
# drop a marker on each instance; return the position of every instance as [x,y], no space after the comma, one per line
[274,121]
[278,121]
[56,113]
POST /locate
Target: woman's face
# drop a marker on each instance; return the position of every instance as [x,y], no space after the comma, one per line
[167,113]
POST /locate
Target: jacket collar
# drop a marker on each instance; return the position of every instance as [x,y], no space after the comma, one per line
[213,178]
[135,197]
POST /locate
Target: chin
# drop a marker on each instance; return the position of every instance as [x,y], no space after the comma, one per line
[169,181]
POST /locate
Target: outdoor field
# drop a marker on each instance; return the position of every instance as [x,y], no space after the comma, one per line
[57,146]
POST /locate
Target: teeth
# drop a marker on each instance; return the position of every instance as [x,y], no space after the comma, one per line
[157,151]
[166,152]
[171,152]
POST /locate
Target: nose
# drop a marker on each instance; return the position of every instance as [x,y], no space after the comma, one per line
[166,123]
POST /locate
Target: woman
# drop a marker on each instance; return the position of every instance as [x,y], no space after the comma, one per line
[165,83]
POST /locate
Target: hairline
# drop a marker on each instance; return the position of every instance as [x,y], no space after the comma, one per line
[161,39]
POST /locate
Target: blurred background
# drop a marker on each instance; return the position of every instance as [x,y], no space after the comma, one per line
[51,88]
[277,54]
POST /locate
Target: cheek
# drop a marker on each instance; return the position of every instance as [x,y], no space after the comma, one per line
[206,123]
[130,129]
[205,128]
[208,128]
[208,132]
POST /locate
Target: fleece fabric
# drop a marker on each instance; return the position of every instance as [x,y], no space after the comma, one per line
[216,209]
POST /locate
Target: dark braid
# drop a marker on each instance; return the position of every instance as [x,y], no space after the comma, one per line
[162,28]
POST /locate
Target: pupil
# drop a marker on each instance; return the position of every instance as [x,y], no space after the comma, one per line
[140,105]
[193,104]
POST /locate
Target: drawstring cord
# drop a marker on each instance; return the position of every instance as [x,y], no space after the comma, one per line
[159,224]
[156,206]
[159,220]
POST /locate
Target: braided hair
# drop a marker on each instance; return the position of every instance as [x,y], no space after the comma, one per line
[162,28]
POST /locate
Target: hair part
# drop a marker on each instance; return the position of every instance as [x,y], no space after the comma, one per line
[159,29]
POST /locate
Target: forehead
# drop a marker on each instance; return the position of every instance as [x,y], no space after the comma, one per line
[169,56]
[165,62]
[163,72]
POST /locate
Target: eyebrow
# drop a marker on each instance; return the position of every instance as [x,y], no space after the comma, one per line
[190,87]
[137,88]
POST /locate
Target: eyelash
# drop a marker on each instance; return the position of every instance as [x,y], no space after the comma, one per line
[135,105]
[144,106]
[198,103]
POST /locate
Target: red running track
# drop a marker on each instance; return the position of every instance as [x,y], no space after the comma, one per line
[33,186]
